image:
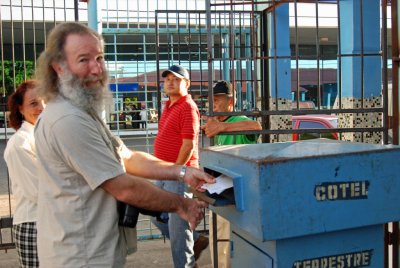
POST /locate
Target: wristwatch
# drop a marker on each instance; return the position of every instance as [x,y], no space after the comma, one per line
[182,173]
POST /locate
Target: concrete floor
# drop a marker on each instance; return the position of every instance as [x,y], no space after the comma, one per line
[151,254]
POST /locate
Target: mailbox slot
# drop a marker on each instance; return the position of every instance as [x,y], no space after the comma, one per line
[230,196]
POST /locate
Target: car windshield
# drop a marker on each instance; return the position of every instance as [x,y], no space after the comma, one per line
[308,124]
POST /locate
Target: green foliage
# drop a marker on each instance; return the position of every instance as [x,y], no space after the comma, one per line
[20,72]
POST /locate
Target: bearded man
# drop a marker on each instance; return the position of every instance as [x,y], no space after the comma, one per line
[84,169]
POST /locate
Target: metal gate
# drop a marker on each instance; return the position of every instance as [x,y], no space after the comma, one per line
[267,58]
[245,45]
[267,67]
[23,29]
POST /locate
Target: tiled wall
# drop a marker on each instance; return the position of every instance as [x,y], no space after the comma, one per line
[346,120]
[280,121]
[361,120]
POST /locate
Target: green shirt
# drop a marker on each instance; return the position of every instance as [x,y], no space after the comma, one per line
[238,138]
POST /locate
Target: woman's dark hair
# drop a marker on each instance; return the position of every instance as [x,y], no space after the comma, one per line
[16,100]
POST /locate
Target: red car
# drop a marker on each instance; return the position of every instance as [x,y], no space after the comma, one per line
[317,121]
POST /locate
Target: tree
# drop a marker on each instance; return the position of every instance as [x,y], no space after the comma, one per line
[20,71]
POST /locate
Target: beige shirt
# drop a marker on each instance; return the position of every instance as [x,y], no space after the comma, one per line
[20,156]
[77,219]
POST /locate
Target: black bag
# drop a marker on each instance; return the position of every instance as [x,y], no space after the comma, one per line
[129,215]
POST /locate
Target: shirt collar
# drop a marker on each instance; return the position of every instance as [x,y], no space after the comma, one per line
[182,99]
[27,126]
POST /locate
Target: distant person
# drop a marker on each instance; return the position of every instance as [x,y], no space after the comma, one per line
[143,118]
[223,101]
[135,117]
[85,170]
[177,142]
[20,155]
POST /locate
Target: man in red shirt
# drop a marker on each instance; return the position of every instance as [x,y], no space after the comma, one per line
[177,142]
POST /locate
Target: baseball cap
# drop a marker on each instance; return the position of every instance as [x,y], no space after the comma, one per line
[223,87]
[178,71]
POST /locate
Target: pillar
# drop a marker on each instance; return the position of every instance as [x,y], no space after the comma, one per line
[360,76]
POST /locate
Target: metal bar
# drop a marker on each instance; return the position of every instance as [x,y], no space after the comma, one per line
[76,10]
[273,4]
[158,66]
[300,112]
[303,131]
[215,237]
[308,130]
[385,71]
[44,24]
[2,60]
[23,39]
[395,72]
[210,108]
[297,56]
[209,60]
[54,13]
[188,41]
[65,11]
[386,238]
[275,62]
[34,35]
[339,70]
[146,89]
[12,44]
[253,52]
[362,57]
[320,102]
[394,122]
[265,77]
[395,244]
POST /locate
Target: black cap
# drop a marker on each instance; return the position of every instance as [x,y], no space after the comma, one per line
[178,71]
[223,87]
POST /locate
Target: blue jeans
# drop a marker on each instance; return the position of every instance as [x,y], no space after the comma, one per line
[177,230]
[163,226]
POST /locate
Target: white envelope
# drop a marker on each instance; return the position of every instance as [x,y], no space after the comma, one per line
[222,183]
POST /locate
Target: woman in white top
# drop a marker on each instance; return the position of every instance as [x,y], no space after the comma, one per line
[20,155]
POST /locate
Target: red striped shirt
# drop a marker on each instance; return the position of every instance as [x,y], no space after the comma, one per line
[178,122]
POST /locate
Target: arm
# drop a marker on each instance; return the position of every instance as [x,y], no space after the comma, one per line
[214,127]
[185,152]
[141,193]
[145,165]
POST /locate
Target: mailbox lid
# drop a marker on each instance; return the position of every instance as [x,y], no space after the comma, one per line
[286,151]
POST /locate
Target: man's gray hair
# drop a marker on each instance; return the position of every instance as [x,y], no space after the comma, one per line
[54,53]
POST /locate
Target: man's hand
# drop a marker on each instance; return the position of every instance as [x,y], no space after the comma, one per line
[192,211]
[212,127]
[196,178]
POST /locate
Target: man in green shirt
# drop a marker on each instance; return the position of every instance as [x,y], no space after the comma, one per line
[223,101]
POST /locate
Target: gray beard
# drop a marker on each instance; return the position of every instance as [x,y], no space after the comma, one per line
[73,88]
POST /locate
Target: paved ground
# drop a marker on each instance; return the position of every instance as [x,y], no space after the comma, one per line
[151,254]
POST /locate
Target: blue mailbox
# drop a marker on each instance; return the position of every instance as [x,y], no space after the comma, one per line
[316,203]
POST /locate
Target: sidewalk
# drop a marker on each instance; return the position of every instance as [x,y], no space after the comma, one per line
[151,254]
